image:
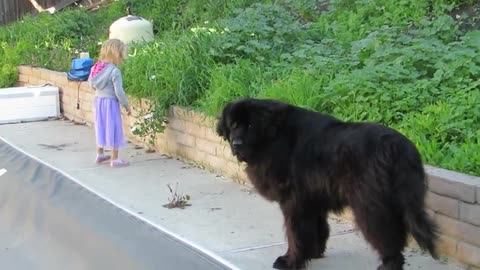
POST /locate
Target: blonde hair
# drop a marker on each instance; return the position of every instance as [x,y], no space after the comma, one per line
[113,51]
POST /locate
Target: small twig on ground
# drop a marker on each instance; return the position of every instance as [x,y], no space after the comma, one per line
[176,200]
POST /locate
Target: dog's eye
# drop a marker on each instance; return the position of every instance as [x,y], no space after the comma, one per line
[249,125]
[234,125]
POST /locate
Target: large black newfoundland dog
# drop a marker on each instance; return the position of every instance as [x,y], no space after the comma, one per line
[312,164]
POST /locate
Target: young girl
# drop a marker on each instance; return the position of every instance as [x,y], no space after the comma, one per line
[106,79]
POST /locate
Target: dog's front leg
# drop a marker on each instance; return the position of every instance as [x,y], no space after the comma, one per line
[297,230]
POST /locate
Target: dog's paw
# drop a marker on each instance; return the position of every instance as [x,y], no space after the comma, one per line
[390,267]
[282,262]
[318,255]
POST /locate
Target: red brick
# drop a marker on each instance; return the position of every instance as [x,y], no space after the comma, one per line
[194,129]
[442,204]
[25,70]
[33,80]
[62,79]
[68,106]
[211,135]
[206,146]
[89,97]
[73,85]
[468,254]
[216,162]
[201,132]
[68,91]
[470,213]
[65,100]
[185,139]
[178,124]
[460,230]
[88,107]
[23,78]
[45,74]
[53,77]
[82,94]
[85,87]
[452,184]
[36,72]
[181,138]
[89,116]
[190,116]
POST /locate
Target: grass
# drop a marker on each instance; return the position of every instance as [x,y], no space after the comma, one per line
[408,64]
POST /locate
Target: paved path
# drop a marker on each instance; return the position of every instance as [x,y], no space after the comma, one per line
[224,217]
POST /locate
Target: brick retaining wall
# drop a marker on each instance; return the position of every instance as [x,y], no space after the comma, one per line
[453,199]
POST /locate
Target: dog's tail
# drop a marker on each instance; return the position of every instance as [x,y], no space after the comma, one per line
[411,172]
[423,229]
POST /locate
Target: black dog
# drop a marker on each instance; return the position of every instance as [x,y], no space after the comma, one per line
[312,164]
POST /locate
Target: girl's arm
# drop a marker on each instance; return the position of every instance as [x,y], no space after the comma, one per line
[118,86]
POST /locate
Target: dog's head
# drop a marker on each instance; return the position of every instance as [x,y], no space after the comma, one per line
[250,124]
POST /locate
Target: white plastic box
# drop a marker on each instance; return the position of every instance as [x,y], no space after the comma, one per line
[29,103]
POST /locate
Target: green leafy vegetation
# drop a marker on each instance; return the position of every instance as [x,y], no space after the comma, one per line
[411,64]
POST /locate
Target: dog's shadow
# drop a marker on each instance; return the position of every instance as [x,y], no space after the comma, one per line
[351,252]
[348,251]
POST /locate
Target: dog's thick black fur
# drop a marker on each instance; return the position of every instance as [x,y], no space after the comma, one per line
[313,164]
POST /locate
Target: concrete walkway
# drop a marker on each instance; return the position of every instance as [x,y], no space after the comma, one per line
[224,217]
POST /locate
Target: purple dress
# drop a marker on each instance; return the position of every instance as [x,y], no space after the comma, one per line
[106,80]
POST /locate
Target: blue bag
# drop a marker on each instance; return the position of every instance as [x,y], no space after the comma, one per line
[80,69]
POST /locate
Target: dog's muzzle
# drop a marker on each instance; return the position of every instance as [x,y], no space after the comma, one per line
[236,143]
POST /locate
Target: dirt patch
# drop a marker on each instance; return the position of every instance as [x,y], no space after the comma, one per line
[58,147]
[468,15]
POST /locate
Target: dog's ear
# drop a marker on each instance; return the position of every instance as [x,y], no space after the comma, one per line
[222,127]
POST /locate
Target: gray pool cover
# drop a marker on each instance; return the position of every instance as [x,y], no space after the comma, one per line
[50,221]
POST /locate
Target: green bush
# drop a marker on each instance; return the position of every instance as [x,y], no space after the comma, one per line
[172,71]
[8,74]
[231,81]
[50,41]
[260,32]
[407,64]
